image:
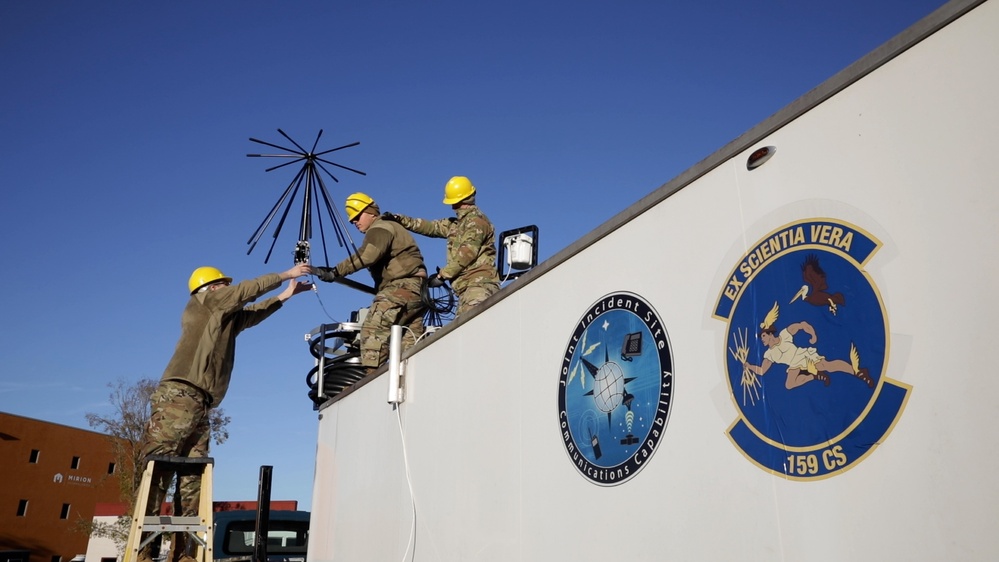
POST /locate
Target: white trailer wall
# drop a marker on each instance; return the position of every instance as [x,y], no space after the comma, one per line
[906,155]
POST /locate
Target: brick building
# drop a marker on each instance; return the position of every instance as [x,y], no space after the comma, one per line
[51,478]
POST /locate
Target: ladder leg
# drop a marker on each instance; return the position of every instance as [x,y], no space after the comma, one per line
[138,515]
[206,553]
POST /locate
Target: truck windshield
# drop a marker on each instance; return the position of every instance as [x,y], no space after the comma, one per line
[283,537]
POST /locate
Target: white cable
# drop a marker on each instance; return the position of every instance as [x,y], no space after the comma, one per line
[405,459]
[423,335]
[409,480]
[416,339]
[321,305]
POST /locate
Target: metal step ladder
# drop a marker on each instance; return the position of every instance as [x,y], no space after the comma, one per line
[198,527]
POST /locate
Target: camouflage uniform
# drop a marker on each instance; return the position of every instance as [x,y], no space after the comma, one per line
[471,255]
[396,266]
[197,377]
[177,427]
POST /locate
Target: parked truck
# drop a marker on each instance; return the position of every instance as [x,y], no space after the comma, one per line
[235,532]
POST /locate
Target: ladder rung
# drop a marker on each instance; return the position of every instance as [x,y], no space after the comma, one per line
[172,520]
[174,528]
[196,527]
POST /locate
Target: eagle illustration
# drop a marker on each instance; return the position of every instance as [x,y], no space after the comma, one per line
[814,291]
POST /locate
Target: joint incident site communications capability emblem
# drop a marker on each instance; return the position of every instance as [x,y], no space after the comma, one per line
[615,388]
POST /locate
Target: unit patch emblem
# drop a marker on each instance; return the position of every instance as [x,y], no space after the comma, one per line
[806,352]
[615,388]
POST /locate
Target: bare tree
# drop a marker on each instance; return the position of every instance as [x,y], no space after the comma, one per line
[125,426]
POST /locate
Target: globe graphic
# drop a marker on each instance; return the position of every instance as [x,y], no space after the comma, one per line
[608,387]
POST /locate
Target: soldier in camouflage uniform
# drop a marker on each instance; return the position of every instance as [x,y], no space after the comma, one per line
[198,374]
[471,255]
[396,265]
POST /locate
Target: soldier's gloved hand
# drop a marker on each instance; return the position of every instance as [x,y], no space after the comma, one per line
[390,217]
[435,281]
[327,274]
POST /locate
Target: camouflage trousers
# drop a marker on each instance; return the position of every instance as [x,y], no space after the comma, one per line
[398,302]
[178,427]
[473,295]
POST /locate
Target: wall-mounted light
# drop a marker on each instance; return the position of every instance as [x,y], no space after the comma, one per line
[760,156]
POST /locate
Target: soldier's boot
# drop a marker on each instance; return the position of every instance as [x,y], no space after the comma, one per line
[145,554]
[183,548]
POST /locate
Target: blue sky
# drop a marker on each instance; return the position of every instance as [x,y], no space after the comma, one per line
[125,130]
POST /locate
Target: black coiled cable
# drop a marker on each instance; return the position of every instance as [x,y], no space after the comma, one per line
[439,301]
[339,373]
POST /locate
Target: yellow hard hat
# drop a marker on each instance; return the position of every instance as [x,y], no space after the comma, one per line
[356,203]
[458,189]
[204,276]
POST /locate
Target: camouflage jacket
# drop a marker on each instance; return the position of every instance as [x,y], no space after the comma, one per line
[471,253]
[209,325]
[388,252]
